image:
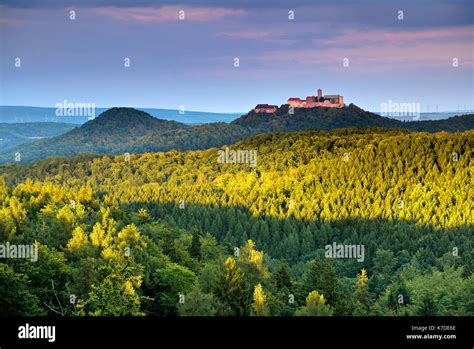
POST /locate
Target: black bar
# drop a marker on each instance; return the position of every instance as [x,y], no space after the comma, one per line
[354,332]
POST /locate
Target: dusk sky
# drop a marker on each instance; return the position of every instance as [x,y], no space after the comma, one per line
[190,62]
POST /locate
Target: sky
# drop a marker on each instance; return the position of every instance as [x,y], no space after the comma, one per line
[367,51]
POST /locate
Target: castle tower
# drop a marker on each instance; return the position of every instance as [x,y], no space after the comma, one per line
[320,94]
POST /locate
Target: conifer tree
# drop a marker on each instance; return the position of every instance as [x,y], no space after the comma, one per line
[315,306]
[259,299]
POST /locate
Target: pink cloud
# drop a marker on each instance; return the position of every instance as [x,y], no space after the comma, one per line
[249,34]
[398,37]
[420,55]
[11,17]
[379,50]
[6,21]
[167,13]
[374,51]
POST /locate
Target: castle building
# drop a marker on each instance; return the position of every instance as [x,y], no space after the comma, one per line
[265,108]
[328,101]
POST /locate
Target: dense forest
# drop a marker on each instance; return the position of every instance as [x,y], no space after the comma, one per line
[180,233]
[120,130]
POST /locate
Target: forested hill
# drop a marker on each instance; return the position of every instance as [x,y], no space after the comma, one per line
[132,122]
[406,197]
[315,118]
[452,124]
[121,130]
[351,116]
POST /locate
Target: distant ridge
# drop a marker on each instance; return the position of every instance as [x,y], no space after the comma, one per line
[21,114]
[14,134]
[28,114]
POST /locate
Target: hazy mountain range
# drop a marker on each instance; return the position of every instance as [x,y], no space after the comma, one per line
[26,114]
[23,114]
[13,134]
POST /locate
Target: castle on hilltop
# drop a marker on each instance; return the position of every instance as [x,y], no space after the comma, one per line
[328,101]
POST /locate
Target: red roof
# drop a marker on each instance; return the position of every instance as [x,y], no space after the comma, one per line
[265,106]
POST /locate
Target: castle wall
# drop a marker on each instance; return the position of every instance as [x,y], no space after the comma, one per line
[311,104]
[330,101]
[297,103]
[266,110]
